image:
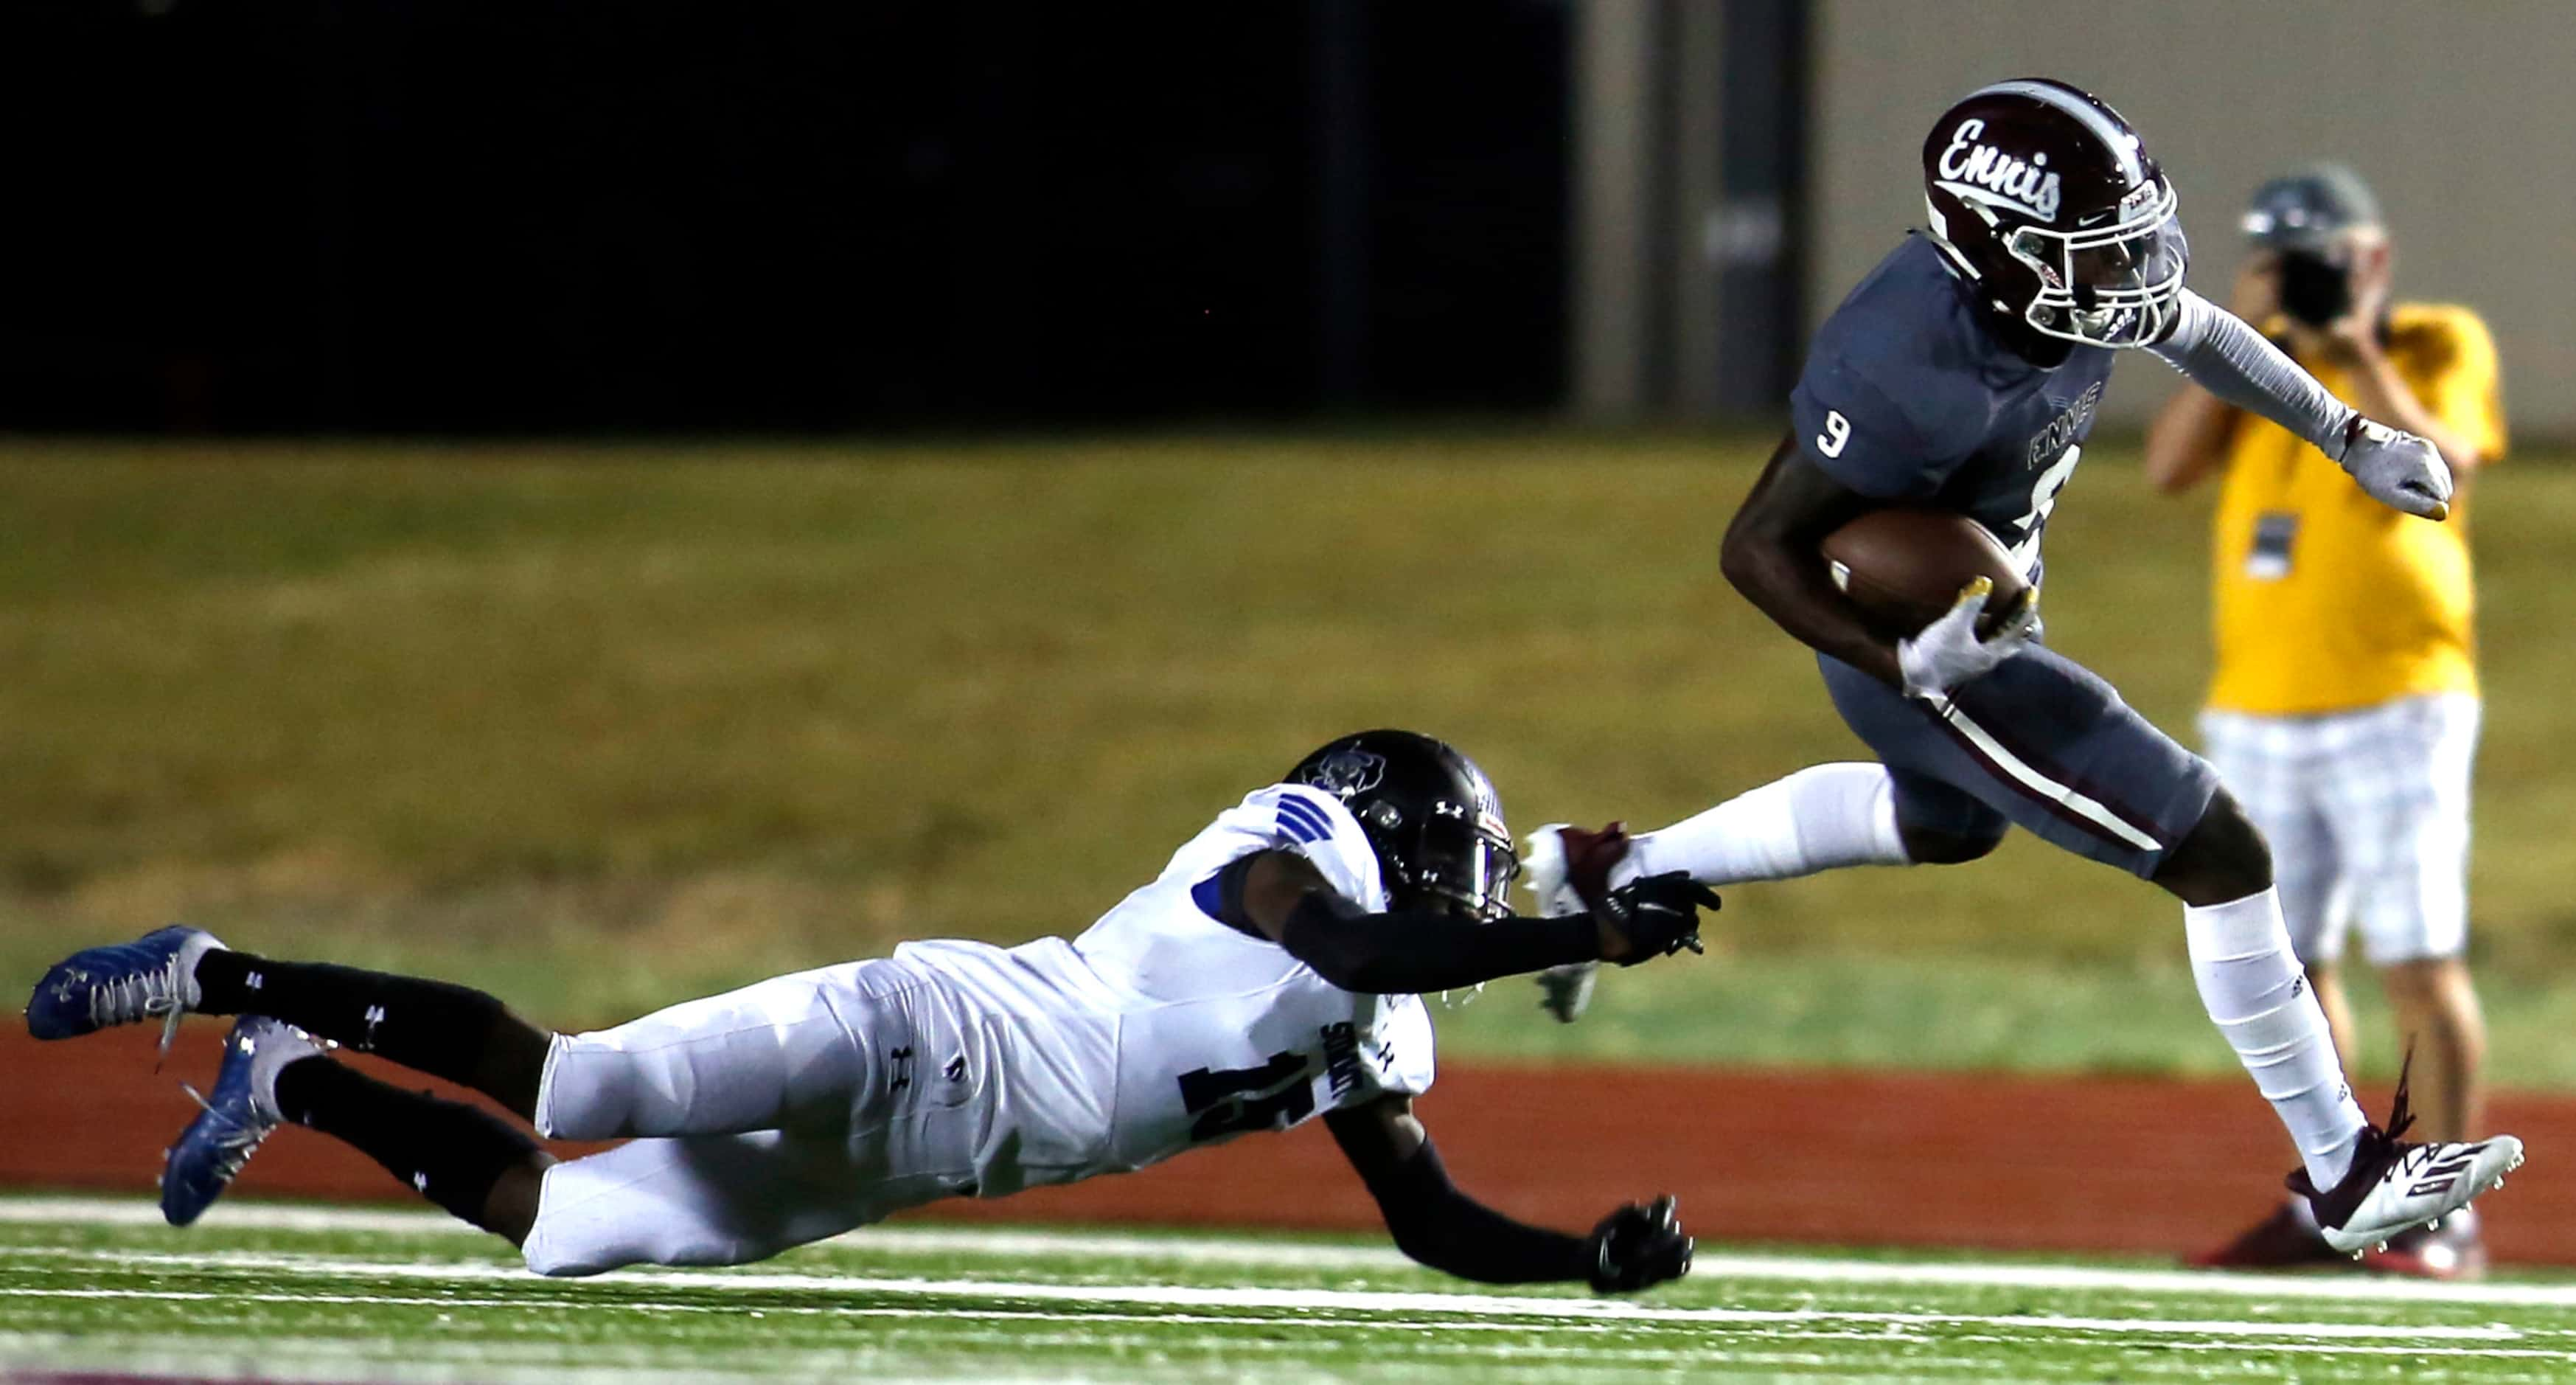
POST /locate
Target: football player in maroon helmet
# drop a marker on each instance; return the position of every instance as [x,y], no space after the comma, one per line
[1964,374]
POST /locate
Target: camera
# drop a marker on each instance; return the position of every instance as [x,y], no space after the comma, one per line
[2314,289]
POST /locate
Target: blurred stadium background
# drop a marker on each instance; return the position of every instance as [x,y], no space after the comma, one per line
[603,501]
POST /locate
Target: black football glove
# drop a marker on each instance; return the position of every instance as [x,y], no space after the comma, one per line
[1637,1247]
[1657,915]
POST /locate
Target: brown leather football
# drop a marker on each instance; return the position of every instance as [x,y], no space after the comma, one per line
[1904,567]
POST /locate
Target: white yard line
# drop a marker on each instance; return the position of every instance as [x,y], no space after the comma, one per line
[139,1210]
[1883,1327]
[1443,1310]
[909,1324]
[591,1364]
[2327,1287]
[909,1239]
[1247,1251]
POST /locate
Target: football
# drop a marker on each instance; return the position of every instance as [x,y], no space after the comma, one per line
[1904,567]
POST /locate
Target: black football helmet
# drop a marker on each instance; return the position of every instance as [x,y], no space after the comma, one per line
[2047,200]
[1430,814]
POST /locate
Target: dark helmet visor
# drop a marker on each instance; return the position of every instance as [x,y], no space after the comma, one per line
[1468,866]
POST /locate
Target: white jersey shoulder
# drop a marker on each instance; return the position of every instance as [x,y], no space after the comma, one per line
[1233,1034]
[1192,1031]
[1283,817]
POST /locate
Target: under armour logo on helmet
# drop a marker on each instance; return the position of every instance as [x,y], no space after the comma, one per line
[1348,772]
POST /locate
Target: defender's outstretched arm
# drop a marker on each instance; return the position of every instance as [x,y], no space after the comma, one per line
[1436,1224]
[1282,897]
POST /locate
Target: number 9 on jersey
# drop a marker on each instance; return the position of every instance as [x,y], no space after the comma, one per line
[1837,434]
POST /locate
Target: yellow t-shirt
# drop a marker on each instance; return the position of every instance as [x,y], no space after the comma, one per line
[2326,599]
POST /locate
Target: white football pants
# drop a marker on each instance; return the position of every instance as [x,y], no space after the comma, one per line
[787,1111]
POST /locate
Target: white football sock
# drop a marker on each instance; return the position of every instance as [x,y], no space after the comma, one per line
[2256,992]
[1819,818]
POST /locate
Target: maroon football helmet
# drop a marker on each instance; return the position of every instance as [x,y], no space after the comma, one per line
[2046,198]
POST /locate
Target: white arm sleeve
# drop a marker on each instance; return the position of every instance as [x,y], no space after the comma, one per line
[2222,355]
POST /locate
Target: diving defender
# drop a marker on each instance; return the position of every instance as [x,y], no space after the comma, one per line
[1272,972]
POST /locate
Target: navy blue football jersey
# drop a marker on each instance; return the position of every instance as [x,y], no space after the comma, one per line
[1907,399]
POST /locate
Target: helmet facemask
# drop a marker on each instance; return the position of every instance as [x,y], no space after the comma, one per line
[1450,860]
[2115,285]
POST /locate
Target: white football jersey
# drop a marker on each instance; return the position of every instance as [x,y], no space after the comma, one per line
[1160,1028]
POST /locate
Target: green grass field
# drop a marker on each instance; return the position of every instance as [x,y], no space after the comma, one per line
[600,727]
[274,1292]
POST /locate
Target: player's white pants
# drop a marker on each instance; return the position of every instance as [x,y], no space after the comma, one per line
[771,1116]
[2367,813]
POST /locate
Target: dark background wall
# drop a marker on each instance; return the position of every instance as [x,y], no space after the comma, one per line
[465,215]
[2459,115]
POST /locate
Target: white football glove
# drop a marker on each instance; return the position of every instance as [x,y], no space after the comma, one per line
[1947,652]
[2397,469]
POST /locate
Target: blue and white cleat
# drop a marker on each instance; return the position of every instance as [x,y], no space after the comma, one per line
[242,1111]
[153,977]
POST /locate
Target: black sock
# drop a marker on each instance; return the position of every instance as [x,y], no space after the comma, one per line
[447,1151]
[444,1030]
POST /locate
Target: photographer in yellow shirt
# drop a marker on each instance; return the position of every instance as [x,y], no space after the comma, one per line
[2344,711]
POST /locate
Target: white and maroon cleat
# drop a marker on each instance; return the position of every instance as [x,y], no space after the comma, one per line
[1568,869]
[2395,1183]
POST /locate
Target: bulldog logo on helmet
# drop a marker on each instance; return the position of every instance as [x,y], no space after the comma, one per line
[1348,772]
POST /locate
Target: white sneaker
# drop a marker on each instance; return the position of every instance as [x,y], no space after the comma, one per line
[2394,1184]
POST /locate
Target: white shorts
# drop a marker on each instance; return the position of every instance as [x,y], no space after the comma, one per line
[781,1113]
[2367,813]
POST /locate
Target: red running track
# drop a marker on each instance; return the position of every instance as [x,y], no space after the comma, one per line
[2116,1164]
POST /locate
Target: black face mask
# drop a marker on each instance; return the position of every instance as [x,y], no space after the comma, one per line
[2314,290]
